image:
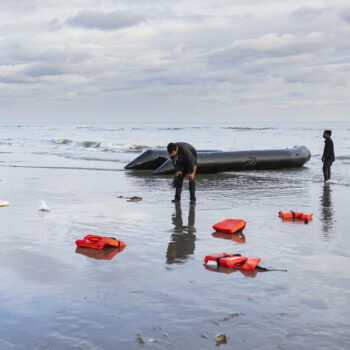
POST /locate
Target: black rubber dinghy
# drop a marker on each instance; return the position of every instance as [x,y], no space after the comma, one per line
[215,162]
[151,159]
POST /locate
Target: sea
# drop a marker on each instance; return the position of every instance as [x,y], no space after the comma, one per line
[157,293]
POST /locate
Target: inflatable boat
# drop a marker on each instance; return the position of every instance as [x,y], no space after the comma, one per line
[151,159]
[215,162]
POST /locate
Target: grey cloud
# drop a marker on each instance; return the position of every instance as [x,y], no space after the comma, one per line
[346,16]
[306,13]
[15,53]
[270,45]
[39,70]
[224,54]
[106,21]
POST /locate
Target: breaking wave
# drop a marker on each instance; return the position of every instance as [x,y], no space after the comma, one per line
[137,148]
[183,128]
[62,141]
[347,157]
[244,128]
[102,146]
[81,144]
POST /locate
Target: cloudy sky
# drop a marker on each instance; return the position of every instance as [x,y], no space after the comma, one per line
[103,60]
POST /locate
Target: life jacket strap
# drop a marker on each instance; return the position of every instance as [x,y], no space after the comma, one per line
[226,256]
[118,246]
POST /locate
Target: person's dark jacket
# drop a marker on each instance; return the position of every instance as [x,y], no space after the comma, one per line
[328,152]
[185,159]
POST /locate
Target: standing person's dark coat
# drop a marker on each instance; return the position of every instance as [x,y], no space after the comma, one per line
[328,154]
[184,158]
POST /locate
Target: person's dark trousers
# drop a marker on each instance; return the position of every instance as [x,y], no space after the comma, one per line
[179,183]
[192,186]
[327,170]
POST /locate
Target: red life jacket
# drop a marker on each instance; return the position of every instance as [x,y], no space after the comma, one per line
[291,215]
[230,226]
[99,242]
[234,261]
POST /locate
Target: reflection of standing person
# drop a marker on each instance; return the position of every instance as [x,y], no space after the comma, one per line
[182,240]
[326,209]
[184,157]
[328,154]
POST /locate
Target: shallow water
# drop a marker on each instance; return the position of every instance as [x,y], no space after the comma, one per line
[156,293]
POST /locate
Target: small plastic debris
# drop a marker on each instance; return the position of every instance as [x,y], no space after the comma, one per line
[134,199]
[44,207]
[141,338]
[131,199]
[220,339]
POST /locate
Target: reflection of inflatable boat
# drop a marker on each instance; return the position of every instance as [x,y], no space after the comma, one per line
[215,162]
[151,159]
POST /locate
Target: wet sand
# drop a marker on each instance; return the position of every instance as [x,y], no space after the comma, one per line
[156,293]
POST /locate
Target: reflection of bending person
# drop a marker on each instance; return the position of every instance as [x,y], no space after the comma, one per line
[182,240]
[184,157]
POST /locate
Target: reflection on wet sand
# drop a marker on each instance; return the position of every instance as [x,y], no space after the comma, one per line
[182,240]
[326,209]
[105,254]
[238,237]
[223,269]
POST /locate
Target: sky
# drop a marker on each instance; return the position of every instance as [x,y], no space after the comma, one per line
[162,60]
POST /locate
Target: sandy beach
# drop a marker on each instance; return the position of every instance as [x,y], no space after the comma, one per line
[156,293]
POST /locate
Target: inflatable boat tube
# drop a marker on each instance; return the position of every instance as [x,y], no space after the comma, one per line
[151,159]
[215,162]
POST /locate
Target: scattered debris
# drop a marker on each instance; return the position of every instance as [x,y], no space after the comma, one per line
[4,203]
[141,338]
[132,199]
[44,207]
[220,339]
[205,335]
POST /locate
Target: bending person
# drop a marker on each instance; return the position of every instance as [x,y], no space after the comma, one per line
[184,157]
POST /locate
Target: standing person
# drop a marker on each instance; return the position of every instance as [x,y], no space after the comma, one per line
[328,154]
[184,157]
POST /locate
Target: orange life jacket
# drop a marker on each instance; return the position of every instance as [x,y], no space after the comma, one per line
[295,215]
[99,242]
[229,226]
[234,261]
